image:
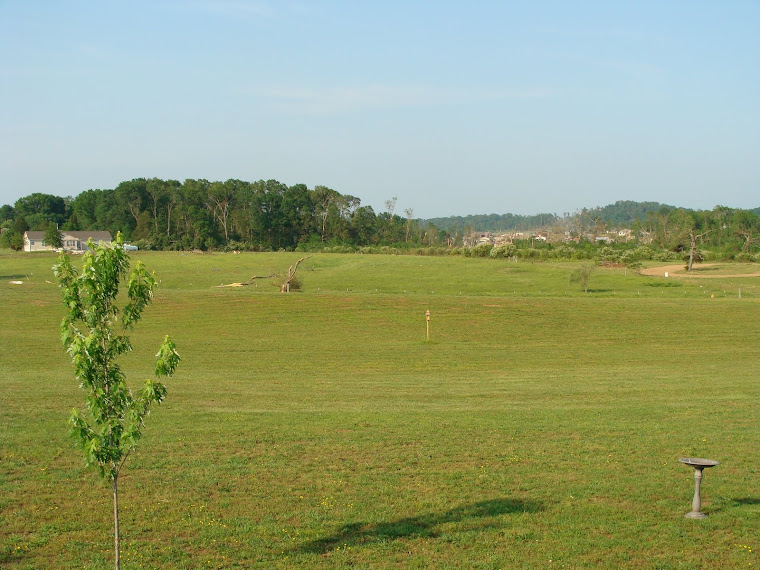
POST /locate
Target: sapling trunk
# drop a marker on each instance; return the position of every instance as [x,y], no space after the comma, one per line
[116,521]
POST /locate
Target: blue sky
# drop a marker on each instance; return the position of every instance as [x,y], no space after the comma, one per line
[453,107]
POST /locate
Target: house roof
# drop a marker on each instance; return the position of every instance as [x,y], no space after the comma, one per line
[84,236]
[81,236]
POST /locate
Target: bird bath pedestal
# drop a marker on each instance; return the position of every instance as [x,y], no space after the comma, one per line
[698,464]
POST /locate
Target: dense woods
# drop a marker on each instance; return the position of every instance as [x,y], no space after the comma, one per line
[269,215]
[198,214]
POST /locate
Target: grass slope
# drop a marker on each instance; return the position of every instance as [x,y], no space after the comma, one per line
[540,427]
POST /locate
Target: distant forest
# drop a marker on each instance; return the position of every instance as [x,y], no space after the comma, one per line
[620,214]
[267,215]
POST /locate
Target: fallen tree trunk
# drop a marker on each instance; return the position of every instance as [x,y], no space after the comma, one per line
[284,287]
[249,282]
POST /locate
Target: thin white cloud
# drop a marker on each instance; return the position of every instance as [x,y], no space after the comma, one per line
[335,100]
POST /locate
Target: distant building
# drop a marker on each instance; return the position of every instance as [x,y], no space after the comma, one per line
[75,242]
[503,239]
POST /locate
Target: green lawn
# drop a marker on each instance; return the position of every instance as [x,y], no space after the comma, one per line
[540,427]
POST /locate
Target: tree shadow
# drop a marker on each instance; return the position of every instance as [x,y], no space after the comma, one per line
[4,277]
[733,503]
[422,526]
[747,501]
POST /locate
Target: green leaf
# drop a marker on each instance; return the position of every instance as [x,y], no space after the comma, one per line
[167,358]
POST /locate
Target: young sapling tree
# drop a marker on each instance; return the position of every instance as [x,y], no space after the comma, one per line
[93,332]
[582,274]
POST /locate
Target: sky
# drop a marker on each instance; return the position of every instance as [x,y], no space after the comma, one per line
[455,108]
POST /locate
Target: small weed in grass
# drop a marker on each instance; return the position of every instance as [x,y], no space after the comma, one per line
[663,284]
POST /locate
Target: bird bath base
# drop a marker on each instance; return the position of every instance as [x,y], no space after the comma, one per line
[699,465]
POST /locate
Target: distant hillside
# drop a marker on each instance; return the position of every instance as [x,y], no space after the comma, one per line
[492,222]
[621,213]
[625,212]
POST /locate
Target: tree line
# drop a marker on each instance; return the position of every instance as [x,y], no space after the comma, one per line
[268,215]
[198,214]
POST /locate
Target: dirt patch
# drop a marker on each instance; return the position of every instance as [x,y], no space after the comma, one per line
[679,271]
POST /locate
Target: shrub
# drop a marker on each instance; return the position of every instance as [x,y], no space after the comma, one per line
[630,258]
[528,253]
[609,254]
[582,254]
[666,256]
[503,251]
[563,252]
[481,250]
[744,256]
[644,252]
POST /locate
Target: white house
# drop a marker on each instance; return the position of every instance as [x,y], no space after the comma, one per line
[72,241]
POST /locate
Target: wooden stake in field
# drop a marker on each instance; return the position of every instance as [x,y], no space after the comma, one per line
[427,322]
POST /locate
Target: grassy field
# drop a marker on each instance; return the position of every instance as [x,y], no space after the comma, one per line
[540,427]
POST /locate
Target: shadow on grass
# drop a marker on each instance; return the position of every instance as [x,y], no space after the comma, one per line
[748,501]
[422,526]
[734,503]
[4,277]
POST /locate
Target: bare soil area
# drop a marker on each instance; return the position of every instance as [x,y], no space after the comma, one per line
[697,273]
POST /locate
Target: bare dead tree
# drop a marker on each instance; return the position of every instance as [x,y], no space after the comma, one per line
[693,236]
[285,287]
[409,215]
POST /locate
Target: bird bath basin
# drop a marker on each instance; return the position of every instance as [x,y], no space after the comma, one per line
[699,465]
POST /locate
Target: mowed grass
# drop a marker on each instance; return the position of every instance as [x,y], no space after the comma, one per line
[540,426]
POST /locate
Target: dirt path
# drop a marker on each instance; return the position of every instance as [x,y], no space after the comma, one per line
[678,271]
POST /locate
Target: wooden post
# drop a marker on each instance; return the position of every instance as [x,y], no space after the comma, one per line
[427,322]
